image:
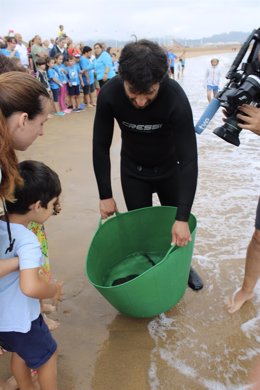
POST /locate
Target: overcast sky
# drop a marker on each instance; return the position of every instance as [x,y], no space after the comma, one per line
[119,19]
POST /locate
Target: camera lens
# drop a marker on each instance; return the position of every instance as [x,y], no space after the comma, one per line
[229,132]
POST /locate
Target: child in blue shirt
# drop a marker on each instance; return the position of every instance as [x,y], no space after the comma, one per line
[22,328]
[74,82]
[62,72]
[171,58]
[87,68]
[55,84]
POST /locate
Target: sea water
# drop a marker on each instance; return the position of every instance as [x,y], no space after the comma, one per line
[198,345]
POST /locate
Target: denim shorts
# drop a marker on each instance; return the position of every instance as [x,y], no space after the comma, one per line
[212,87]
[257,217]
[55,93]
[35,347]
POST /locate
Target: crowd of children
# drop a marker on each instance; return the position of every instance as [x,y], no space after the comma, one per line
[66,70]
[65,81]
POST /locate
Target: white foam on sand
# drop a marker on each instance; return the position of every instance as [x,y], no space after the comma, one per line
[169,355]
[153,378]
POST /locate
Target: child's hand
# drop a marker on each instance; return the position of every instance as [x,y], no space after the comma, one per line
[56,207]
[59,295]
[2,350]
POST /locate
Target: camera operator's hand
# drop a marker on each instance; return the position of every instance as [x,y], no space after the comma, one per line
[251,118]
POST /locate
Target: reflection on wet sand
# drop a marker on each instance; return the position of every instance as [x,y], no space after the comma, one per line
[124,358]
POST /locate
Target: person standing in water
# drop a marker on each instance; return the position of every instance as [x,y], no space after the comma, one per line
[159,149]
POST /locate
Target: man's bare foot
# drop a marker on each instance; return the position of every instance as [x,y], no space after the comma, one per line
[52,324]
[237,300]
[48,308]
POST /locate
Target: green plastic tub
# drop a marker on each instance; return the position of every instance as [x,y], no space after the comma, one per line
[146,230]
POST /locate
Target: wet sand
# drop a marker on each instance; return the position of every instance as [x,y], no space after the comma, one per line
[196,345]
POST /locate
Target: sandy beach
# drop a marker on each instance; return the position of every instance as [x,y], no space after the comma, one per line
[210,49]
[197,51]
[197,345]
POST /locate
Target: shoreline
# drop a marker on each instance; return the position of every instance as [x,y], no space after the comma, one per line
[198,50]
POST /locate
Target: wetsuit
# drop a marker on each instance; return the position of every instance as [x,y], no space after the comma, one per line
[159,150]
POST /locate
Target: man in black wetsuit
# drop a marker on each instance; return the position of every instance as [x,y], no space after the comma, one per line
[159,150]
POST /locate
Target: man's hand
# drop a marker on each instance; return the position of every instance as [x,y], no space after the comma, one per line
[181,233]
[250,117]
[107,207]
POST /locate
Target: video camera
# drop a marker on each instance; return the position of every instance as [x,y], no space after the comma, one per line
[243,88]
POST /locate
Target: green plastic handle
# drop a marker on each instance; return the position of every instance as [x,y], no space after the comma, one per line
[101,220]
[172,249]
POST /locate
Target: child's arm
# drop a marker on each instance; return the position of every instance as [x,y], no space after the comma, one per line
[52,73]
[68,78]
[57,81]
[206,78]
[81,79]
[34,286]
[85,71]
[8,265]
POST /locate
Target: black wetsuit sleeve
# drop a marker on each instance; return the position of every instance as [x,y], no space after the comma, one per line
[102,139]
[186,147]
[188,182]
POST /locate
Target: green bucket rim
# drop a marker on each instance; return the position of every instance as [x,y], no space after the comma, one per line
[169,251]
